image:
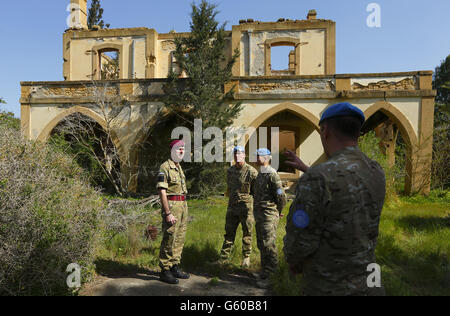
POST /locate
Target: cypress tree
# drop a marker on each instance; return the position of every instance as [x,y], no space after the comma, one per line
[195,88]
[95,15]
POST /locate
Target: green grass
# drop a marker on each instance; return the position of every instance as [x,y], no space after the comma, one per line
[413,247]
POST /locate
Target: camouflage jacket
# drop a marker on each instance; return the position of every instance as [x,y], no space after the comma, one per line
[332,226]
[171,177]
[241,182]
[269,192]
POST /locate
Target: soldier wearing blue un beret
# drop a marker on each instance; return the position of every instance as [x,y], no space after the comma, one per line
[332,226]
[269,201]
[240,186]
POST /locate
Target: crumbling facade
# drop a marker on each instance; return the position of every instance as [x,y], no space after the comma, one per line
[292,99]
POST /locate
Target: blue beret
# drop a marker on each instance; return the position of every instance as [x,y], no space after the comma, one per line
[263,152]
[342,109]
[239,148]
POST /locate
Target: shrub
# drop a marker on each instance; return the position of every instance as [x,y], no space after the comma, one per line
[440,175]
[8,119]
[48,217]
[369,144]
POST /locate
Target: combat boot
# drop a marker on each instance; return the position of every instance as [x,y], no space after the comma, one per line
[176,272]
[167,277]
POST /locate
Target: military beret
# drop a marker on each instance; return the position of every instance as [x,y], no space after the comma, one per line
[263,152]
[239,148]
[177,142]
[342,109]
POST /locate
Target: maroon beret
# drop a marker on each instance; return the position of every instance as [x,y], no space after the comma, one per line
[177,142]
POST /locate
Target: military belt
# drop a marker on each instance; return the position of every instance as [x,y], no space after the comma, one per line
[177,197]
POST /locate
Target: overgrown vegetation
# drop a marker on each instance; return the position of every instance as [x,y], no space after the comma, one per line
[48,216]
[8,120]
[82,139]
[440,177]
[395,175]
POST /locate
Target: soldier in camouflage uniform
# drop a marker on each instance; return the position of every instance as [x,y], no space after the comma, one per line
[332,226]
[172,191]
[269,201]
[241,180]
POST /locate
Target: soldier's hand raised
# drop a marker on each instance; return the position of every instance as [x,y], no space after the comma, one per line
[293,161]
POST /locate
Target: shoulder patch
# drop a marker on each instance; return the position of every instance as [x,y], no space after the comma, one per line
[161,177]
[300,219]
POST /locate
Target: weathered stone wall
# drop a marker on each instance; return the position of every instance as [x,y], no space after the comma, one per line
[406,98]
[312,50]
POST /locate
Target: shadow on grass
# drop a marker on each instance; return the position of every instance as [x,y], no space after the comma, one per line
[423,223]
[197,256]
[417,273]
[199,259]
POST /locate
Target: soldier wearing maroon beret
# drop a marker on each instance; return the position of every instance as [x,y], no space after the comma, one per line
[174,211]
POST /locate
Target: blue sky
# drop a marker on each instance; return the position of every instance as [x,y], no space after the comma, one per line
[414,34]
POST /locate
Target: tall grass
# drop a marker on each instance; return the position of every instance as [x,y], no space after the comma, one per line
[413,248]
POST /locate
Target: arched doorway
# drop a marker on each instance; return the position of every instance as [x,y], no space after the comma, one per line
[298,132]
[392,130]
[86,140]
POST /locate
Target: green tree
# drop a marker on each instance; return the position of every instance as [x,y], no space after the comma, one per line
[95,15]
[7,118]
[441,137]
[195,87]
[441,81]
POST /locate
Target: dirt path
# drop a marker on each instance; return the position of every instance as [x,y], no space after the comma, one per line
[148,284]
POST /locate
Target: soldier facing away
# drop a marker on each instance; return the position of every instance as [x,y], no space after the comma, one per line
[332,226]
[269,201]
[240,180]
[172,192]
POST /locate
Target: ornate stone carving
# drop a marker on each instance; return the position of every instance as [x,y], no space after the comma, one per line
[283,85]
[168,45]
[80,91]
[405,84]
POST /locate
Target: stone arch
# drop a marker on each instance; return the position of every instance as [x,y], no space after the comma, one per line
[45,133]
[397,117]
[290,107]
[119,161]
[407,132]
[299,112]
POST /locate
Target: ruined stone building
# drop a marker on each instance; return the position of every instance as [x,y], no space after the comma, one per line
[292,99]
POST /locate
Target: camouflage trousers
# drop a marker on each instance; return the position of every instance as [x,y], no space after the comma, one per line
[238,214]
[173,235]
[266,234]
